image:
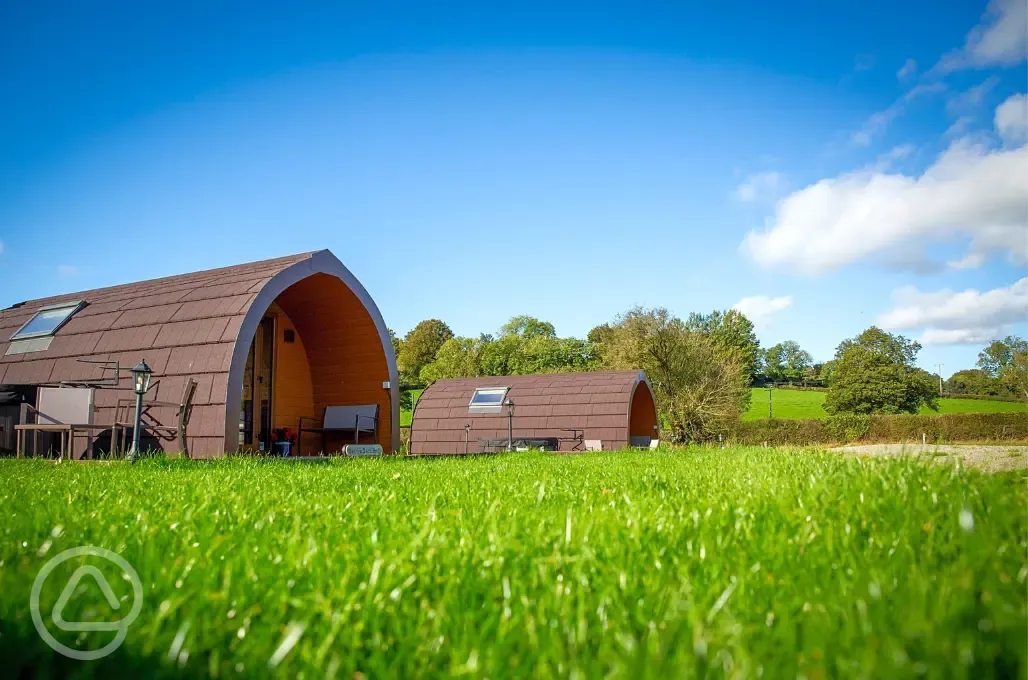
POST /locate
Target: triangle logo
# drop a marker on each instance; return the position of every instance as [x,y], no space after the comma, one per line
[69,590]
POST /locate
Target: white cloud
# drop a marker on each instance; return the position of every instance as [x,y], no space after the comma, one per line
[969,261]
[759,185]
[1012,119]
[1000,39]
[67,270]
[1,247]
[897,153]
[970,336]
[959,127]
[964,317]
[908,69]
[971,192]
[971,100]
[877,122]
[760,308]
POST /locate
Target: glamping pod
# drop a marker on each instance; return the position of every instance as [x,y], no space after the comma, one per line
[559,411]
[266,344]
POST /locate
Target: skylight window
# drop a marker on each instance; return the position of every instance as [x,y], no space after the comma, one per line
[48,320]
[487,400]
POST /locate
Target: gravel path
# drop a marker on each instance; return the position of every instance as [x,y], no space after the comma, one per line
[988,458]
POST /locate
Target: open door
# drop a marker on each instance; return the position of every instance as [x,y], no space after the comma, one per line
[258,382]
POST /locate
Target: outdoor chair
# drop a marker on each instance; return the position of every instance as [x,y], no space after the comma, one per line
[124,420]
[347,419]
[62,411]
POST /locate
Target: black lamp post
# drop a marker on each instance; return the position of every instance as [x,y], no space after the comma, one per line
[140,384]
[510,423]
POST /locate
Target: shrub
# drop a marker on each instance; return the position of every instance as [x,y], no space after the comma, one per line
[847,428]
[948,428]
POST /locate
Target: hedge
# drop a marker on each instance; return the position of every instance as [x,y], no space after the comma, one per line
[983,397]
[937,429]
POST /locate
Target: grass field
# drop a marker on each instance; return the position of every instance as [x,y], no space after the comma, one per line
[800,404]
[700,563]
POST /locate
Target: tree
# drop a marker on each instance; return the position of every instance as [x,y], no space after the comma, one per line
[875,373]
[419,348]
[396,342]
[457,358]
[973,381]
[528,327]
[1006,360]
[599,334]
[700,389]
[731,333]
[786,361]
[525,355]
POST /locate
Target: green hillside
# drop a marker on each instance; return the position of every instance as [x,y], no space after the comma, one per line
[800,404]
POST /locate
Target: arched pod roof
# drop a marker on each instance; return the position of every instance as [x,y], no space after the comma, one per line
[196,324]
[598,403]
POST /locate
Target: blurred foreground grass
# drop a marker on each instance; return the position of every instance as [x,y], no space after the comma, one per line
[694,563]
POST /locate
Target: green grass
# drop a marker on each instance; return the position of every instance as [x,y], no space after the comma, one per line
[695,563]
[800,404]
[405,415]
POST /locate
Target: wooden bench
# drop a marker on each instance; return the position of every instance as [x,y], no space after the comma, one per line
[355,419]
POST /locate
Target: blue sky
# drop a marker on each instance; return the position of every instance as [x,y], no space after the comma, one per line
[825,168]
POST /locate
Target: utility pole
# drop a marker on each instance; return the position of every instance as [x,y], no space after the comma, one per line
[940,378]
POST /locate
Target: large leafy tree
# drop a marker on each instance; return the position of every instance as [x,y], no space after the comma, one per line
[396,342]
[1006,360]
[457,358]
[700,388]
[973,381]
[525,345]
[419,348]
[528,327]
[786,361]
[875,373]
[732,334]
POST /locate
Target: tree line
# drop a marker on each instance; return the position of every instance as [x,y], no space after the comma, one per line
[702,367]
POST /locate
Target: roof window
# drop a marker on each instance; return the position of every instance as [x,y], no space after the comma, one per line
[48,320]
[487,400]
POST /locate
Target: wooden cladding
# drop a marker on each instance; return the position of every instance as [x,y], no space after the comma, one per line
[343,350]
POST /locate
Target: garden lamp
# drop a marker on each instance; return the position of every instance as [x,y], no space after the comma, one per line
[510,423]
[141,378]
[140,384]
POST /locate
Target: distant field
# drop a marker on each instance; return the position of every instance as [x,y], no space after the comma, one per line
[799,404]
[694,563]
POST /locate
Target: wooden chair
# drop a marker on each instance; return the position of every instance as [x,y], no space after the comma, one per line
[62,411]
[124,420]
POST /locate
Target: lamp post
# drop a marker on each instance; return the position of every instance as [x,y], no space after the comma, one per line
[510,423]
[140,384]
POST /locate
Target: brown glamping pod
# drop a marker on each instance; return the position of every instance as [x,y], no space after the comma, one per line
[601,410]
[266,344]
